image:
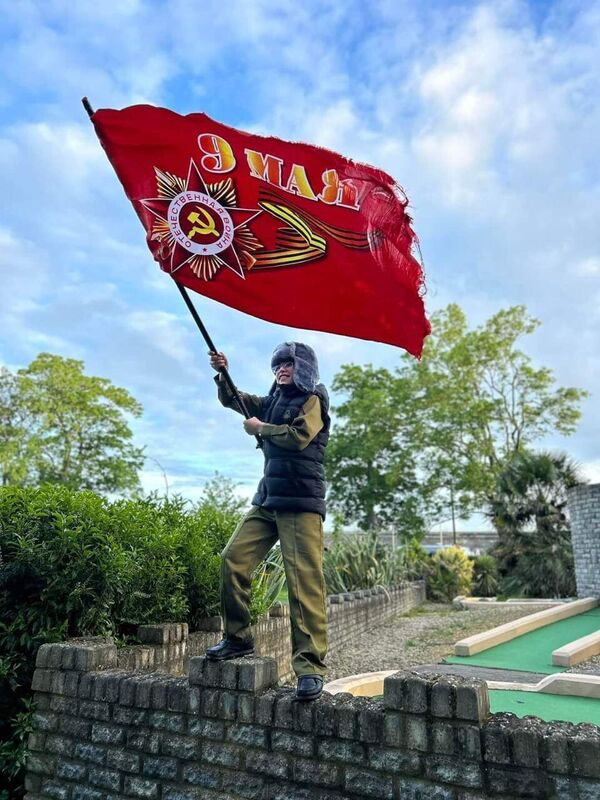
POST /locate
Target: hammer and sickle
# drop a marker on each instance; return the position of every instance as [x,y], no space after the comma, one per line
[202,227]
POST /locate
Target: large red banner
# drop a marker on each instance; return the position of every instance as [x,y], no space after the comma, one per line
[287,232]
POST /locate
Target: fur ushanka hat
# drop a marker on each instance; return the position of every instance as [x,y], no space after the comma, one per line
[306,367]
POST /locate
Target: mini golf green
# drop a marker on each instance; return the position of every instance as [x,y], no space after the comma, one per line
[548,707]
[532,652]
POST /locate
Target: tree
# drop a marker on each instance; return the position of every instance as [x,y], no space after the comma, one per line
[529,511]
[371,460]
[62,426]
[221,493]
[17,446]
[441,429]
[483,400]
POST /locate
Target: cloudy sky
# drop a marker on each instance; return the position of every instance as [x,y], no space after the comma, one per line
[487,113]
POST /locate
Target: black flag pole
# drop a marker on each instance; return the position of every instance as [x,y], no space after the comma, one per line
[196,317]
[224,371]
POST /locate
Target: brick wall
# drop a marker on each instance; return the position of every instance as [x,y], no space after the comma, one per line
[584,511]
[348,615]
[225,731]
[163,649]
[168,648]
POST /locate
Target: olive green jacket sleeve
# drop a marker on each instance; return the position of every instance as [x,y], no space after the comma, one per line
[303,429]
[253,402]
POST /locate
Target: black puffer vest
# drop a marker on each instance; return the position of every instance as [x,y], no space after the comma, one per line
[294,480]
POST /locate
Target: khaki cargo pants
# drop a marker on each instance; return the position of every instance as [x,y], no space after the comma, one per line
[301,537]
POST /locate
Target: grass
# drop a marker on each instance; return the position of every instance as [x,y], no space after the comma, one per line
[414,612]
[427,608]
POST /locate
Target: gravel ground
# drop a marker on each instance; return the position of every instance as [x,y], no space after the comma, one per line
[422,636]
[592,666]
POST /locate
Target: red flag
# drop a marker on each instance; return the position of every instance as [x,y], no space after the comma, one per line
[290,233]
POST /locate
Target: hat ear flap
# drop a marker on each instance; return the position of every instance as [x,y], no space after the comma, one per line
[283,352]
[306,370]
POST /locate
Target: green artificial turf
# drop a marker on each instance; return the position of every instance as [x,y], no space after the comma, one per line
[532,652]
[546,706]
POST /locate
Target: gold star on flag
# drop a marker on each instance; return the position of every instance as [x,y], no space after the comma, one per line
[200,225]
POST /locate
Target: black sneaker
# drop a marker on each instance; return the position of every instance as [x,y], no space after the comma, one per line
[228,648]
[309,687]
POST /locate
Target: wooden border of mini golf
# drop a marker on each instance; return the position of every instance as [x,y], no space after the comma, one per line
[468,603]
[368,684]
[365,684]
[577,651]
[511,630]
[574,684]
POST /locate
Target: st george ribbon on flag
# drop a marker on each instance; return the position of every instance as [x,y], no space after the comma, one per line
[291,233]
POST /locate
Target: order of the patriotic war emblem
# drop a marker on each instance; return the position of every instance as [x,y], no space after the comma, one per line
[200,225]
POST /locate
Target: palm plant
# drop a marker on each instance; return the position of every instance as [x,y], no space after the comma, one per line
[485,575]
[529,511]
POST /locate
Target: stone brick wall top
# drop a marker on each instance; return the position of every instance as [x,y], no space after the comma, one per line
[228,732]
[584,511]
[168,647]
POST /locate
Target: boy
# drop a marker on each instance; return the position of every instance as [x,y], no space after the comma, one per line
[289,505]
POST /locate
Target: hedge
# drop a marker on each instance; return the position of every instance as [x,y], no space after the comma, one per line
[76,564]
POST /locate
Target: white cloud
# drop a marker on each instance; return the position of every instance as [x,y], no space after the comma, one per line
[588,267]
[487,114]
[112,52]
[49,171]
[23,272]
[591,471]
[165,330]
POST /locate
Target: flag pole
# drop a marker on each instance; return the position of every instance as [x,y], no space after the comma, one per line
[224,371]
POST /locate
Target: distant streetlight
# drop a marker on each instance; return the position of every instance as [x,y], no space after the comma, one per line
[162,469]
[452,509]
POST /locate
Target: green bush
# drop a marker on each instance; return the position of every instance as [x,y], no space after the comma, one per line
[93,567]
[73,564]
[485,576]
[450,574]
[414,560]
[268,581]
